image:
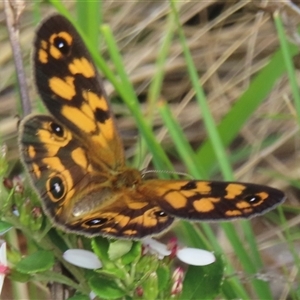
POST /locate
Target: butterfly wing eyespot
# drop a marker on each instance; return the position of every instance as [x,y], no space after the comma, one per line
[253,199]
[57,129]
[95,223]
[56,187]
[62,44]
[160,214]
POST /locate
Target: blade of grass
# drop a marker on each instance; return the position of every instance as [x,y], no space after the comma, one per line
[160,159]
[288,238]
[286,53]
[262,288]
[244,107]
[157,80]
[89,19]
[182,145]
[213,135]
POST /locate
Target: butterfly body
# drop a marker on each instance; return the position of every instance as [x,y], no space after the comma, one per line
[76,161]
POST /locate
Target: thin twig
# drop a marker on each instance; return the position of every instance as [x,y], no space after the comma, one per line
[13,10]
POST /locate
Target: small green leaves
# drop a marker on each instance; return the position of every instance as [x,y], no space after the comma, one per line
[105,288]
[119,248]
[37,262]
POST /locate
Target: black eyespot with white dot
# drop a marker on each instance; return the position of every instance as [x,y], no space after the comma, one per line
[62,45]
[57,129]
[253,199]
[56,188]
[160,214]
[96,222]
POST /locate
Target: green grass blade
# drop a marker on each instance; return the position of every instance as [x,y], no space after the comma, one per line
[89,19]
[183,147]
[157,80]
[288,62]
[262,288]
[160,159]
[245,106]
[209,123]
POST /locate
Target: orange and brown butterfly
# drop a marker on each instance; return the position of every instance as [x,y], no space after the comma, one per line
[76,161]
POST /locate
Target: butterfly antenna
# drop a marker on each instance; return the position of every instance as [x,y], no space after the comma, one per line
[145,171]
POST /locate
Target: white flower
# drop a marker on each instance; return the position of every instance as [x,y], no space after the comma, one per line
[191,256]
[3,263]
[156,247]
[82,258]
[195,257]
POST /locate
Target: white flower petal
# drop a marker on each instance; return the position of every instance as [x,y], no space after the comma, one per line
[16,212]
[195,257]
[3,262]
[158,247]
[82,258]
[92,295]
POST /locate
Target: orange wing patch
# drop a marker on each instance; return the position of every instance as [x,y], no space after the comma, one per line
[82,66]
[233,190]
[205,204]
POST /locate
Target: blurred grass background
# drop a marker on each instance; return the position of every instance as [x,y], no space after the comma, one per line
[202,88]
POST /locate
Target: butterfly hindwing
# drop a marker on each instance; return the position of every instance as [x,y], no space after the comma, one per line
[122,214]
[57,164]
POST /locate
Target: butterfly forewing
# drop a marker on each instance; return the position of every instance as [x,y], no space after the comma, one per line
[71,88]
[211,201]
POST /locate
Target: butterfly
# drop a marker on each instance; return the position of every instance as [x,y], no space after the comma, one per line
[75,157]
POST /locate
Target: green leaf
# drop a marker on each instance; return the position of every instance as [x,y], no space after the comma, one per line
[100,247]
[56,238]
[163,274]
[147,263]
[134,254]
[4,227]
[18,276]
[119,248]
[37,262]
[150,287]
[205,281]
[113,273]
[105,288]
